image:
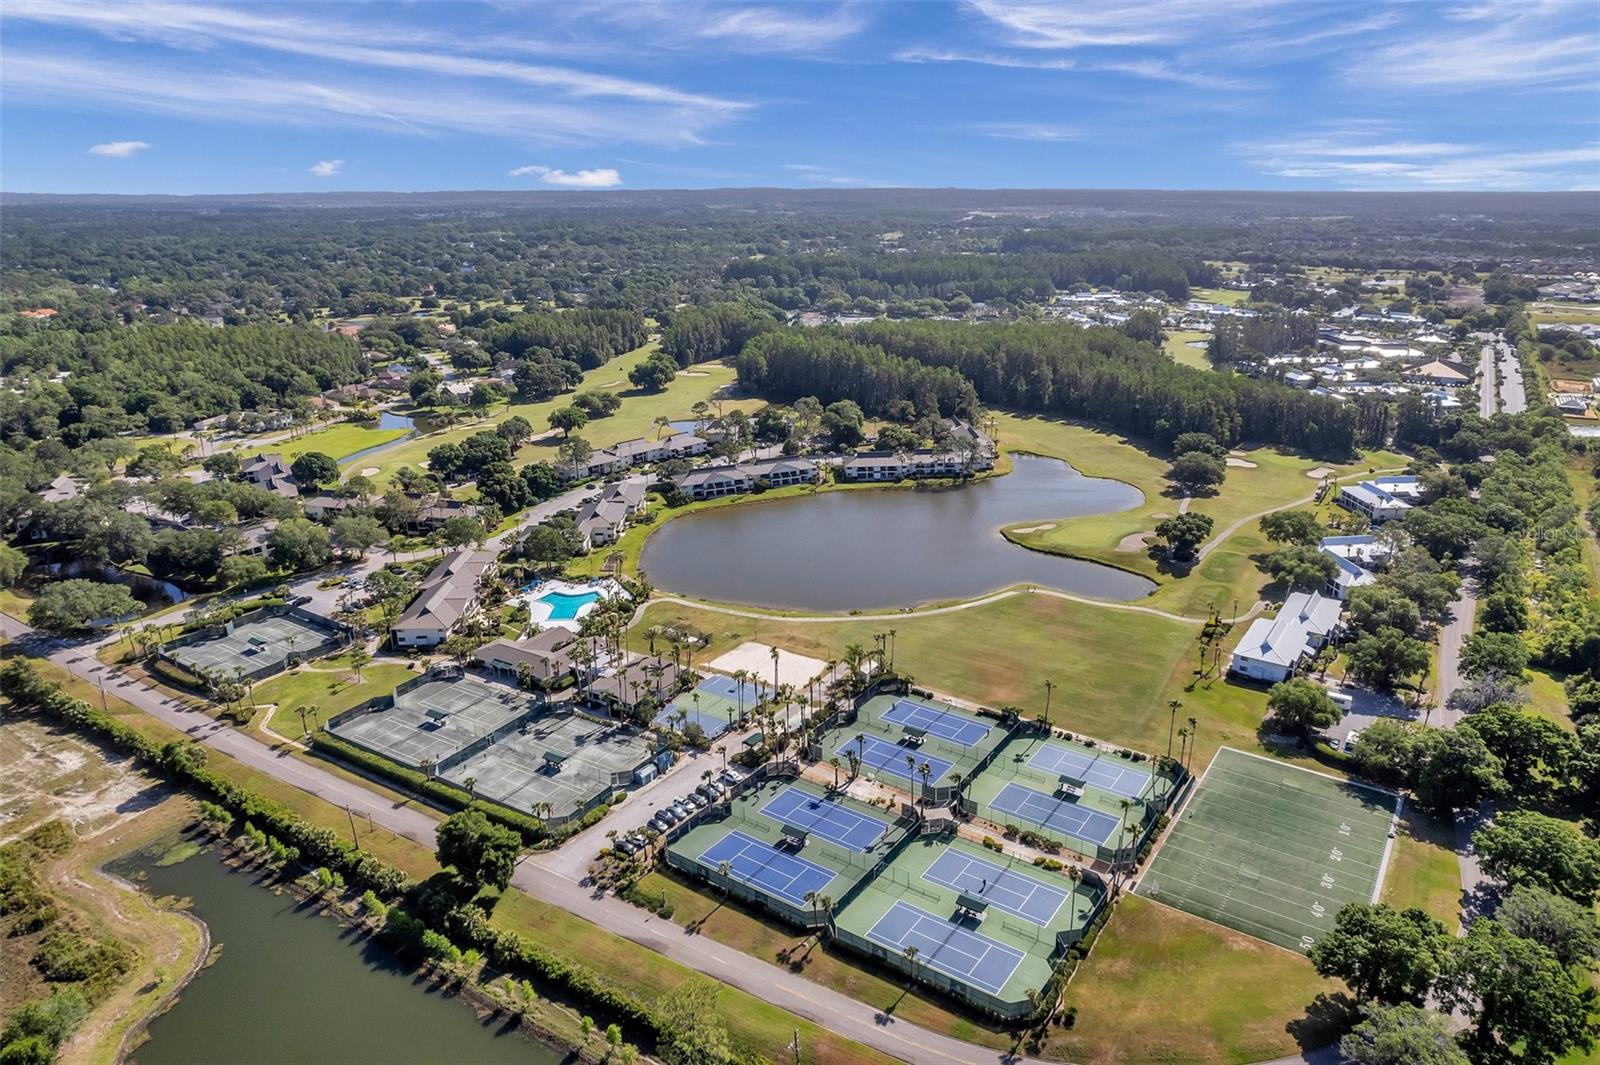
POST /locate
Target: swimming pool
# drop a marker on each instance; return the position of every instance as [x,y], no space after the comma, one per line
[565,606]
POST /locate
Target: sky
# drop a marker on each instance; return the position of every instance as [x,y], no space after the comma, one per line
[170,97]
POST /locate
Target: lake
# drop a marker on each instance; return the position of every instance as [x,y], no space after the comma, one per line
[866,550]
[292,987]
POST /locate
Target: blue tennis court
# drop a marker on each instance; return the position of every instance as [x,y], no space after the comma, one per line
[1063,816]
[890,758]
[957,728]
[754,862]
[1091,769]
[954,951]
[754,691]
[713,721]
[1000,887]
[830,820]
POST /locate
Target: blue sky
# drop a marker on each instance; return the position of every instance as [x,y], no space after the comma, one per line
[121,96]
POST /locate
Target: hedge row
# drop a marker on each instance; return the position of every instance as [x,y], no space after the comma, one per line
[184,761]
[531,829]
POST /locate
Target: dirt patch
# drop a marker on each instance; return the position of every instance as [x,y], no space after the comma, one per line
[1243,464]
[1134,542]
[1317,473]
[1034,528]
[54,774]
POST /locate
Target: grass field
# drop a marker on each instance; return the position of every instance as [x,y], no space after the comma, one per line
[1177,345]
[330,686]
[336,441]
[636,416]
[1162,986]
[1276,480]
[1272,850]
[1424,870]
[754,1023]
[1228,297]
[1108,664]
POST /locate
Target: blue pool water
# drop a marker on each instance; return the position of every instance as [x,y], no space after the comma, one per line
[564,606]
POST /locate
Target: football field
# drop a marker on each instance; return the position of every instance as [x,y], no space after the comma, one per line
[1273,850]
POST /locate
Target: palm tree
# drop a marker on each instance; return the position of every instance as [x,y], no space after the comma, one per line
[911,953]
[471,784]
[861,747]
[663,425]
[834,761]
[1074,877]
[1183,741]
[1049,686]
[892,634]
[855,764]
[1174,706]
[1194,728]
[925,769]
[724,877]
[774,667]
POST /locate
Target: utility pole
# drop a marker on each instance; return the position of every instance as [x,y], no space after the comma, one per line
[352,818]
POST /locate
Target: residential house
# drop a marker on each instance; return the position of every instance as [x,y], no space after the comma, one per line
[641,450]
[272,473]
[874,466]
[447,596]
[712,482]
[1356,557]
[1273,648]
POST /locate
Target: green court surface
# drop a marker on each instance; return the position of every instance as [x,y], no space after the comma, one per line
[1273,850]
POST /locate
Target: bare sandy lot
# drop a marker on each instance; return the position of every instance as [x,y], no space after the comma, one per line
[757,659]
[51,775]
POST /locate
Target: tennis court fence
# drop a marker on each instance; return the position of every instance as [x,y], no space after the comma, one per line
[337,636]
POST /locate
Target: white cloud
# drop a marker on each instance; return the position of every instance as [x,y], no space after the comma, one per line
[218,95]
[791,29]
[1525,47]
[991,59]
[1352,159]
[118,149]
[1029,131]
[327,167]
[1112,24]
[603,177]
[827,175]
[569,99]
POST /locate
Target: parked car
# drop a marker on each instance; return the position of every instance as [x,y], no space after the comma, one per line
[623,845]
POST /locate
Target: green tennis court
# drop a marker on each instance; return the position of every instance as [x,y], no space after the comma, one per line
[1273,850]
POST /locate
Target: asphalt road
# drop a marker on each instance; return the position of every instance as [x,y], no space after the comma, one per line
[1487,389]
[540,876]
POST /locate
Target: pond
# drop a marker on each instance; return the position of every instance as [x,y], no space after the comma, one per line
[866,550]
[294,987]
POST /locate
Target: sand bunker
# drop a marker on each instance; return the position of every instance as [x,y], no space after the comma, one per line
[757,659]
[1319,472]
[1134,542]
[1033,528]
[370,471]
[1243,464]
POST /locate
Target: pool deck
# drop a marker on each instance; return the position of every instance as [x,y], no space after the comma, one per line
[542,613]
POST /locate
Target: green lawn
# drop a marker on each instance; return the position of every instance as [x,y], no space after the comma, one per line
[1229,297]
[336,441]
[771,942]
[1162,986]
[1177,345]
[763,1027]
[1276,480]
[329,685]
[1110,666]
[1424,870]
[634,418]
